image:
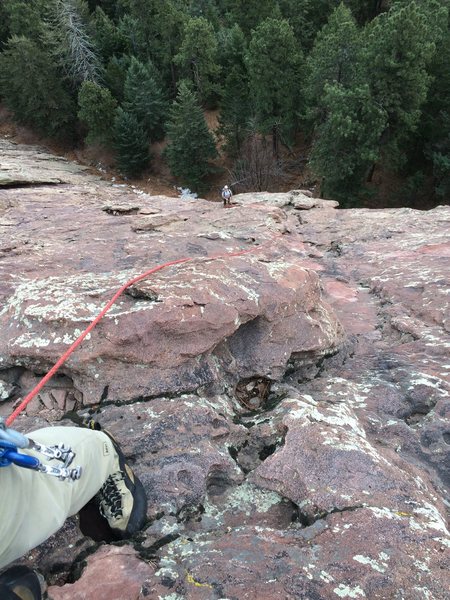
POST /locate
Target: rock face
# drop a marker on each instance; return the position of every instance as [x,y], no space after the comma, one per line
[209,322]
[283,394]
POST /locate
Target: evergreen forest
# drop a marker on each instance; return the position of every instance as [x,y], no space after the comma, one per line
[340,91]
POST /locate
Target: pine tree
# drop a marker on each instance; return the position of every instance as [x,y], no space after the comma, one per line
[96,109]
[32,88]
[234,110]
[274,66]
[400,45]
[208,9]
[248,14]
[433,136]
[108,38]
[232,47]
[366,10]
[235,105]
[4,26]
[26,18]
[191,145]
[198,56]
[158,29]
[115,75]
[130,141]
[144,98]
[306,18]
[347,141]
[336,57]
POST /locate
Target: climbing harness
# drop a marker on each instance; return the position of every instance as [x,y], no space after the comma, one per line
[11,441]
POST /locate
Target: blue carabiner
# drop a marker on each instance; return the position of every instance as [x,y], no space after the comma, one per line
[9,454]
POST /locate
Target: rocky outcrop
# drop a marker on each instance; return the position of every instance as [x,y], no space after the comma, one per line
[208,322]
[283,394]
[22,166]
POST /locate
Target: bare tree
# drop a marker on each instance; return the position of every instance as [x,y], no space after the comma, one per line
[257,169]
[74,48]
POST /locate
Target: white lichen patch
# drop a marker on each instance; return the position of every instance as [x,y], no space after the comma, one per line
[245,498]
[431,519]
[423,593]
[168,528]
[345,591]
[421,566]
[183,547]
[384,513]
[167,568]
[31,340]
[376,565]
[353,392]
[309,399]
[5,390]
[443,541]
[342,429]
[69,298]
[279,269]
[308,569]
[423,379]
[219,404]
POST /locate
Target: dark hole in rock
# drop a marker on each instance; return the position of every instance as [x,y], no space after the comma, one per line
[304,519]
[239,420]
[414,419]
[167,539]
[419,404]
[143,294]
[185,477]
[190,512]
[121,210]
[94,525]
[27,184]
[295,513]
[252,393]
[267,451]
[446,436]
[335,248]
[217,482]
[233,452]
[167,582]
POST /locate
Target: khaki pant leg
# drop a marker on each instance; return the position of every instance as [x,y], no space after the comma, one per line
[33,506]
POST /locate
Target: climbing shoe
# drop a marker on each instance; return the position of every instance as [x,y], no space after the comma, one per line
[20,583]
[122,500]
[83,420]
[119,509]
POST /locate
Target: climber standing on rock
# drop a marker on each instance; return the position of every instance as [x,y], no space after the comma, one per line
[42,484]
[226,195]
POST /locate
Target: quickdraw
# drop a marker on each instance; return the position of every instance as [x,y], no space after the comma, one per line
[11,440]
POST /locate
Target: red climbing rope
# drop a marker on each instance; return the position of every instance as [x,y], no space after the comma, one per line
[91,326]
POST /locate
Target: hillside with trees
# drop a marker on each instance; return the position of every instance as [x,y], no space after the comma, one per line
[347,96]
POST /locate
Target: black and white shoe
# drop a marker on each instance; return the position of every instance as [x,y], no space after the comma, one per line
[119,509]
[122,500]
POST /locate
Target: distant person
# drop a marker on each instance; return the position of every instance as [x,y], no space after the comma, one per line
[226,195]
[34,505]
